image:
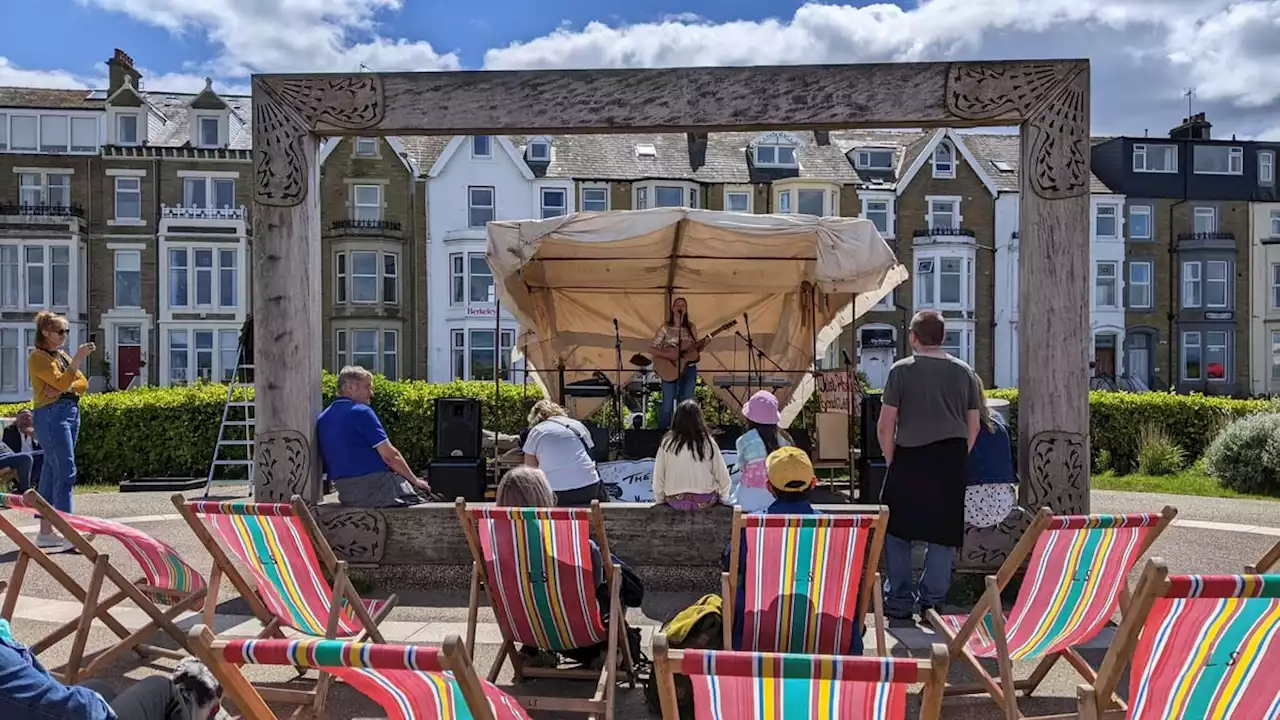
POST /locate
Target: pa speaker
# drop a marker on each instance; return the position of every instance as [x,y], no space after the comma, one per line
[870,417]
[871,475]
[458,428]
[464,479]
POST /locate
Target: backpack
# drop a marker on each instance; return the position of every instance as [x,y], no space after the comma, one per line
[701,625]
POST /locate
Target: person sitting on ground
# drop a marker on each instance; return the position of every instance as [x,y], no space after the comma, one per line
[368,471]
[561,447]
[750,489]
[791,482]
[689,472]
[29,692]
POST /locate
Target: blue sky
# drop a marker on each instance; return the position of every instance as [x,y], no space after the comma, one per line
[1144,52]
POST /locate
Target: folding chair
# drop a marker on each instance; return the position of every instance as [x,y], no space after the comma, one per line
[535,564]
[166,579]
[730,685]
[410,682]
[1076,579]
[289,559]
[1267,563]
[1199,646]
[808,581]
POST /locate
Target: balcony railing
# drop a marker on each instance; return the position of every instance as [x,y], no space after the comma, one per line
[354,224]
[943,234]
[43,210]
[1214,235]
[182,212]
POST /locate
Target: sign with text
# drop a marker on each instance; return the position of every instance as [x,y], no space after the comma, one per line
[632,480]
[486,312]
[834,392]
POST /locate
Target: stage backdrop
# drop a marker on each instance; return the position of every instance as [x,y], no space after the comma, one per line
[793,279]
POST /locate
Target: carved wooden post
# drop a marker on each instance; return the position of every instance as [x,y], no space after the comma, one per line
[1053,337]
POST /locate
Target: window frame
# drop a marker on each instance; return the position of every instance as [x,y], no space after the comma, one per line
[584,202]
[211,183]
[1275,355]
[1144,150]
[137,191]
[137,129]
[1098,280]
[862,158]
[543,206]
[359,209]
[1196,282]
[117,255]
[1267,160]
[1224,281]
[540,157]
[34,118]
[1182,355]
[946,171]
[369,144]
[193,272]
[46,149]
[21,272]
[776,150]
[353,276]
[1275,286]
[344,277]
[471,256]
[344,350]
[1235,159]
[1100,212]
[730,193]
[487,153]
[866,214]
[1147,285]
[957,217]
[1204,211]
[473,207]
[462,353]
[458,280]
[201,140]
[1225,347]
[657,190]
[1135,211]
[822,198]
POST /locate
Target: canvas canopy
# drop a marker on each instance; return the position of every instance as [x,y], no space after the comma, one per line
[797,281]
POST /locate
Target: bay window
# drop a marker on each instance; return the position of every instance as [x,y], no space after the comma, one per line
[943,282]
[958,340]
[472,353]
[374,349]
[35,275]
[366,277]
[666,196]
[10,276]
[228,269]
[811,202]
[1192,368]
[470,279]
[1215,355]
[1192,288]
[1215,284]
[179,280]
[1275,355]
[203,277]
[11,356]
[179,357]
[201,354]
[1275,286]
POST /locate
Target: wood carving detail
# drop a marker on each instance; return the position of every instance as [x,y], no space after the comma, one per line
[1058,138]
[358,536]
[980,91]
[288,110]
[1059,466]
[985,548]
[283,461]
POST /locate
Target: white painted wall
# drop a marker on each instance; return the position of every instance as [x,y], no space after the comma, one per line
[1264,314]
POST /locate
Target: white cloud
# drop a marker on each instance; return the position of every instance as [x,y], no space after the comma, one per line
[12,75]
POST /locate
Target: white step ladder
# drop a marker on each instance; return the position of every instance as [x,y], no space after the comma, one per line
[236,434]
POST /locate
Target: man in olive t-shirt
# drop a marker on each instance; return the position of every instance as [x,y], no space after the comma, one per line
[928,423]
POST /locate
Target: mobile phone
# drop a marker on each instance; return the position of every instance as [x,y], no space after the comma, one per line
[93,338]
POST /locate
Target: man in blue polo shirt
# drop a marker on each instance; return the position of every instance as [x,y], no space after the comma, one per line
[368,471]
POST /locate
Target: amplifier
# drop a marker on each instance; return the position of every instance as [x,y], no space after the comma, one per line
[466,479]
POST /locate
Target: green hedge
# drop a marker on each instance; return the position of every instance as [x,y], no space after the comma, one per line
[170,432]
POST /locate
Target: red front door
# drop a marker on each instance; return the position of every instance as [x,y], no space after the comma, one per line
[128,354]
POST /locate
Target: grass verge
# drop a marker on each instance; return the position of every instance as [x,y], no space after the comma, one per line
[1192,481]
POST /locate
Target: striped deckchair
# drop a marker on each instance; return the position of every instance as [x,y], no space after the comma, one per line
[1267,563]
[289,559]
[166,579]
[1199,646]
[1076,579]
[410,682]
[730,685]
[807,583]
[535,564]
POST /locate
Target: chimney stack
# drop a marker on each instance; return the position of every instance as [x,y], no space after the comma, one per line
[121,67]
[697,149]
[822,137]
[1195,127]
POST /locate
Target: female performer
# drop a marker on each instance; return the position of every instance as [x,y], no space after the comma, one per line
[675,358]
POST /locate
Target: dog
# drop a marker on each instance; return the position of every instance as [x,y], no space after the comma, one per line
[199,691]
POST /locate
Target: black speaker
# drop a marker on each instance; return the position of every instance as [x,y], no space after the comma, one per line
[867,427]
[599,441]
[871,475]
[641,444]
[458,426]
[459,478]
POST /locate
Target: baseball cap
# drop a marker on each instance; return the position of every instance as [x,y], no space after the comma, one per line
[789,469]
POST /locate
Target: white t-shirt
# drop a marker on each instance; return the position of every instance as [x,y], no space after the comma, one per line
[555,442]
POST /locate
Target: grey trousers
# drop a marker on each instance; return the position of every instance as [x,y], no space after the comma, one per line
[383,489]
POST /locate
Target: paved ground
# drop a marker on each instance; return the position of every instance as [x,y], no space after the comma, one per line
[1210,535]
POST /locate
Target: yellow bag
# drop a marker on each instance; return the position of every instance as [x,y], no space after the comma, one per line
[677,629]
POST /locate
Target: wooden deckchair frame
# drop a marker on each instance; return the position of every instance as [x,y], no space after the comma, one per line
[251,705]
[343,591]
[1004,689]
[666,660]
[1268,562]
[601,702]
[95,608]
[870,589]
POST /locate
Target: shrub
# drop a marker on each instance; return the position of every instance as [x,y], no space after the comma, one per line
[1158,454]
[1246,456]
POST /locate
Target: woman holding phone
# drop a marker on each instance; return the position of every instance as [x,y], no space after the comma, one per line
[57,384]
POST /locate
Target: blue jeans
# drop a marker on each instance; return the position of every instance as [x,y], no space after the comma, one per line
[57,428]
[673,393]
[21,463]
[900,591]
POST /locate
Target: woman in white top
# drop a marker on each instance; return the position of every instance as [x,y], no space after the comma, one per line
[561,447]
[689,472]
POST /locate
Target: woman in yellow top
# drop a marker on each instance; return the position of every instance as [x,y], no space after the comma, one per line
[56,384]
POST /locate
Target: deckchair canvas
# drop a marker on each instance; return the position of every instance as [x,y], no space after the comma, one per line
[1199,646]
[410,682]
[166,579]
[1268,562]
[729,685]
[808,581]
[1076,579]
[290,561]
[535,565]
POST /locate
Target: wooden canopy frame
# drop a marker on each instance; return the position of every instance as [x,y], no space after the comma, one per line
[1048,99]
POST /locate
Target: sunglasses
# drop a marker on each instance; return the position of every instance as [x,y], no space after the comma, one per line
[60,331]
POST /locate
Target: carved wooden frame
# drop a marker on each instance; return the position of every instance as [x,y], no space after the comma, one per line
[1049,99]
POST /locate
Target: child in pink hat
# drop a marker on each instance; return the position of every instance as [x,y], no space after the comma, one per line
[750,489]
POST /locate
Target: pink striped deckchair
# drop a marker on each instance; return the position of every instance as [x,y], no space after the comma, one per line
[1076,579]
[1267,563]
[289,560]
[1199,646]
[410,682]
[166,579]
[730,685]
[807,581]
[535,564]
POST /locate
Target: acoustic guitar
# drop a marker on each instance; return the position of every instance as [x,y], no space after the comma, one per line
[669,371]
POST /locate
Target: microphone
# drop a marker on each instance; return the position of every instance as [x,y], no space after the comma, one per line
[615,326]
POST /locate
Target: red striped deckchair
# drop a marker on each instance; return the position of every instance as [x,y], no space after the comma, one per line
[410,682]
[535,564]
[288,557]
[807,581]
[1199,646]
[1076,579]
[1267,563]
[166,579]
[730,685]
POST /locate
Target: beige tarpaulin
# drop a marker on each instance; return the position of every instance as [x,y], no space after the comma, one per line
[566,279]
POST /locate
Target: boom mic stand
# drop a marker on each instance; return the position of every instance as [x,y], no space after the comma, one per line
[617,383]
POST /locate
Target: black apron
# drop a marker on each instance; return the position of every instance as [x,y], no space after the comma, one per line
[924,490]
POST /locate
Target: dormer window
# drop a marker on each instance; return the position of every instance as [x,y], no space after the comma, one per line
[539,150]
[209,132]
[481,146]
[127,129]
[775,156]
[944,160]
[874,159]
[366,147]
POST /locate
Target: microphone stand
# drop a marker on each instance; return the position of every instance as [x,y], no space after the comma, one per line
[753,364]
[617,380]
